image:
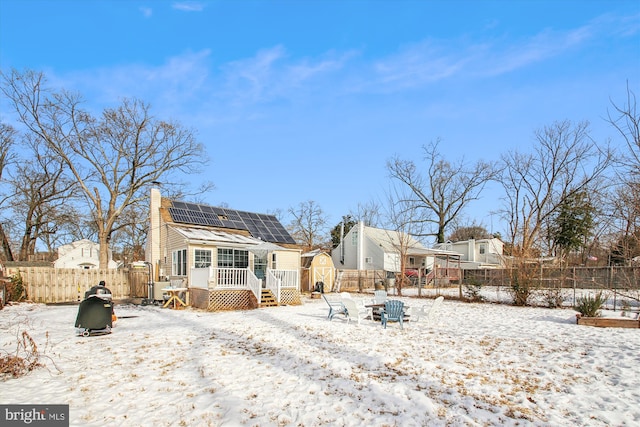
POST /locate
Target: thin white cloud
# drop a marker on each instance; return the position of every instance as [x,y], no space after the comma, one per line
[269,75]
[545,45]
[417,65]
[171,86]
[435,60]
[189,6]
[146,12]
[273,75]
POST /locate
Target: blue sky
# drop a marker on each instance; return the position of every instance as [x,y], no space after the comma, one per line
[307,100]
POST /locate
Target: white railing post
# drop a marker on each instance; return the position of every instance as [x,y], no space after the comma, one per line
[255,285]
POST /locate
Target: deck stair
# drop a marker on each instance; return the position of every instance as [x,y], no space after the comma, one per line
[268,299]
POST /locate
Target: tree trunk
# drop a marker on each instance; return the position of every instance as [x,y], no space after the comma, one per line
[103,240]
[6,248]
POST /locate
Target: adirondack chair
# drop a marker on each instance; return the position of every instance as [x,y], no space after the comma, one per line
[355,311]
[379,297]
[394,311]
[335,307]
[429,312]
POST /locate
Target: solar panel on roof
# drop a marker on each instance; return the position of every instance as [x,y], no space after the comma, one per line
[262,226]
[232,215]
[217,211]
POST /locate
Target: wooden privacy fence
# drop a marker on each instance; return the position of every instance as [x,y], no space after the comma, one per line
[56,285]
[359,280]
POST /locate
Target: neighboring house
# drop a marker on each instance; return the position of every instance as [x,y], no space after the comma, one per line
[223,256]
[477,254]
[317,266]
[369,248]
[83,254]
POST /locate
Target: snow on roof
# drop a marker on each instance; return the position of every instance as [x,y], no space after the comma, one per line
[430,251]
[313,253]
[217,236]
[390,240]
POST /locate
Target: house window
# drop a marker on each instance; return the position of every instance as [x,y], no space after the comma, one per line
[179,262]
[273,261]
[483,249]
[232,258]
[368,260]
[260,266]
[354,238]
[202,258]
[412,261]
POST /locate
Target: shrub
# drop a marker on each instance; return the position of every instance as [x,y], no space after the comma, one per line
[15,289]
[590,306]
[520,294]
[24,360]
[523,283]
[553,297]
[472,291]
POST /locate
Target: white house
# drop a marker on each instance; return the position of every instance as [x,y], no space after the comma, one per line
[369,248]
[83,254]
[475,254]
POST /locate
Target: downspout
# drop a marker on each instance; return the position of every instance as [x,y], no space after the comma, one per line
[360,247]
[342,243]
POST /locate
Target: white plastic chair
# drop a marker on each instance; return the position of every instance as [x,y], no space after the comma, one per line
[335,307]
[379,297]
[429,312]
[354,311]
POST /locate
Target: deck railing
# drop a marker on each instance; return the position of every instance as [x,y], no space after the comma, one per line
[278,279]
[243,278]
[274,284]
[289,278]
[255,285]
[229,278]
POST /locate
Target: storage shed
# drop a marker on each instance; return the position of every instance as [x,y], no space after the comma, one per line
[317,266]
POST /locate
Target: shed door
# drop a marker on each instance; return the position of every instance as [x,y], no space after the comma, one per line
[324,275]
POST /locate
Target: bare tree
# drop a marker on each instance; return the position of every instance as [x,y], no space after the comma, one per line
[471,231]
[402,217]
[130,236]
[308,226]
[626,197]
[564,162]
[626,120]
[7,140]
[41,194]
[113,157]
[442,193]
[369,213]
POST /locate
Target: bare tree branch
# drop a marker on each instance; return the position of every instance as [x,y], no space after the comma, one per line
[114,157]
[564,162]
[447,188]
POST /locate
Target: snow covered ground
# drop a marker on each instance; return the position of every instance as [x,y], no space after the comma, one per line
[483,364]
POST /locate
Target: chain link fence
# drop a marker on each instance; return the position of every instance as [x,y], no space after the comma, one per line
[620,284]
